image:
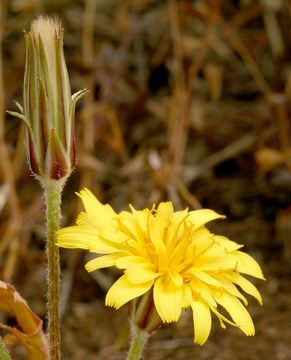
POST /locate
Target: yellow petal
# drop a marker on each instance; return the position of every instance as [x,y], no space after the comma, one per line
[180,215]
[216,263]
[166,210]
[176,228]
[248,265]
[201,321]
[85,219]
[237,312]
[157,229]
[176,278]
[128,261]
[230,287]
[203,216]
[102,262]
[112,235]
[201,290]
[141,216]
[142,273]
[227,244]
[246,285]
[103,214]
[187,295]
[129,225]
[89,219]
[123,291]
[204,277]
[168,300]
[84,237]
[222,318]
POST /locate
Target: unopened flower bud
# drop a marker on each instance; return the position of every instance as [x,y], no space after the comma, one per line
[48,109]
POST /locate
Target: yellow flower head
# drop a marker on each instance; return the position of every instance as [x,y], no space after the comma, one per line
[172,253]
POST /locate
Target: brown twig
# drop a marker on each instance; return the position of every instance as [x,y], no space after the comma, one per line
[243,51]
[178,118]
[194,172]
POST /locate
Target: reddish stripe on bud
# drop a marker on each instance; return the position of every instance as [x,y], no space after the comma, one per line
[33,161]
[62,115]
[57,162]
[43,119]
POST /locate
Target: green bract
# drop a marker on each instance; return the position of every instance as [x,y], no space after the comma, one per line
[48,109]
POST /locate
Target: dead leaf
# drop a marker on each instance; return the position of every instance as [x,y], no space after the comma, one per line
[31,336]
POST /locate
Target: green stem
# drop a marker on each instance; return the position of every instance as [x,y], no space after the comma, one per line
[139,339]
[4,354]
[53,200]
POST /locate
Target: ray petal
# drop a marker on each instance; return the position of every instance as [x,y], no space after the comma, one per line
[103,214]
[168,300]
[142,273]
[176,278]
[248,265]
[123,291]
[128,261]
[227,244]
[157,229]
[204,277]
[231,288]
[166,210]
[203,216]
[128,223]
[245,285]
[202,321]
[102,262]
[84,237]
[187,295]
[238,312]
[216,263]
[203,291]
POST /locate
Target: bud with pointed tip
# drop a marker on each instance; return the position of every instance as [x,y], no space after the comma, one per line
[48,109]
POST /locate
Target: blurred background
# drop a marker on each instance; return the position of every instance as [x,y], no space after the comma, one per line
[190,101]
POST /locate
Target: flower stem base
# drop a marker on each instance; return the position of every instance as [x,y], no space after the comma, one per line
[53,198]
[139,339]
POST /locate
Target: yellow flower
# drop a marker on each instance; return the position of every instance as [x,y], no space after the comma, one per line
[171,253]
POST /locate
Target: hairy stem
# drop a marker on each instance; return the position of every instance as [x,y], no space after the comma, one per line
[53,199]
[139,339]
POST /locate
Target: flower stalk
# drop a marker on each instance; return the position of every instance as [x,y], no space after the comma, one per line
[139,339]
[144,320]
[53,201]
